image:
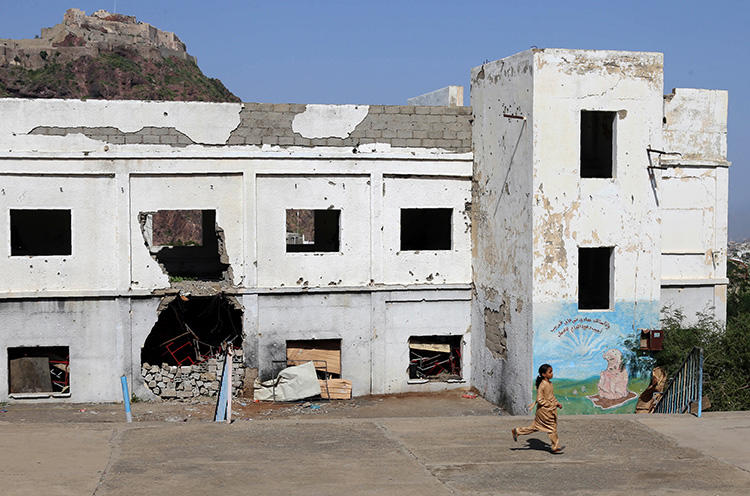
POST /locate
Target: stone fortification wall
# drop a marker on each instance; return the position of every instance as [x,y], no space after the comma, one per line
[80,35]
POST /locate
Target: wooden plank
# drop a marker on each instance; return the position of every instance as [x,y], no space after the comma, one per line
[332,358]
[436,347]
[338,389]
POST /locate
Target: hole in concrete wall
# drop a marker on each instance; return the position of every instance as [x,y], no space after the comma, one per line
[597,143]
[193,329]
[186,243]
[312,230]
[595,278]
[39,369]
[324,353]
[40,232]
[426,228]
[436,358]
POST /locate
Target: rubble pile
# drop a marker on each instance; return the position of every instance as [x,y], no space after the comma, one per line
[190,381]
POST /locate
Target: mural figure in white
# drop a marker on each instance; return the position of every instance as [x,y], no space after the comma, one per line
[613,381]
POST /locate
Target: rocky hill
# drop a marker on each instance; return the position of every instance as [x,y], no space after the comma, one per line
[106,56]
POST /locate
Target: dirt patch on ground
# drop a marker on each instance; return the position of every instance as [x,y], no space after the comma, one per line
[442,404]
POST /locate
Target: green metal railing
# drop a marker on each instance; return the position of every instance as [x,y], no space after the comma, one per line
[685,388]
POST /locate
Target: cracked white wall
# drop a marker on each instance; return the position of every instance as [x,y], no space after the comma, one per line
[501,230]
[572,212]
[220,192]
[693,192]
[425,266]
[91,265]
[348,193]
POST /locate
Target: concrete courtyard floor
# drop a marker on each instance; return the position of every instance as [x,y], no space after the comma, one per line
[420,445]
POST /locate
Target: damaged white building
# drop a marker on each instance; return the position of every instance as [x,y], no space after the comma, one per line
[430,247]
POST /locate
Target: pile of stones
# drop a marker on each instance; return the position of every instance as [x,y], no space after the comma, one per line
[190,381]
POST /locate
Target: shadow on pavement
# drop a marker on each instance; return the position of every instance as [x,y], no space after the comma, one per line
[534,444]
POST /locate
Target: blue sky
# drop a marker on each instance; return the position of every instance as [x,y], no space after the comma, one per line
[383,52]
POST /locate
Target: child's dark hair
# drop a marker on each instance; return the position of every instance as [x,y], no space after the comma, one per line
[543,369]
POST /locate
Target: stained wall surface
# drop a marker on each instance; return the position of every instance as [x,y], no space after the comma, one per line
[693,192]
[572,212]
[501,229]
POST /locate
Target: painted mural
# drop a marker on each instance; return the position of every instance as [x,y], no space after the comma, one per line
[594,371]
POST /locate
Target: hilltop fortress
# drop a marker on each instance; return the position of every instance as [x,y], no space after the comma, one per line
[79,35]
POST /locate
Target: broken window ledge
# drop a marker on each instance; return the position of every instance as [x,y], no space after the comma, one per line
[37,396]
[426,381]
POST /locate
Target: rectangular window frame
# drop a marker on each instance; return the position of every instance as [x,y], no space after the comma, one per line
[451,240]
[298,252]
[611,283]
[613,158]
[60,376]
[10,231]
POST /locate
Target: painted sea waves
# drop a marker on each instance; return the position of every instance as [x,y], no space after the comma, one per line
[588,354]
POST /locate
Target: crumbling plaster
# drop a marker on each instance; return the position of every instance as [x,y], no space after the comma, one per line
[570,211]
[220,192]
[501,229]
[206,123]
[329,121]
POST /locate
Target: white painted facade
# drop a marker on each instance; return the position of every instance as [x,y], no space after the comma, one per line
[369,294]
[520,213]
[663,215]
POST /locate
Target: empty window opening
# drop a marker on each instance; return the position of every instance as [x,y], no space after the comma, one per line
[435,358]
[186,243]
[594,278]
[193,329]
[39,369]
[597,143]
[326,357]
[40,232]
[312,230]
[426,228]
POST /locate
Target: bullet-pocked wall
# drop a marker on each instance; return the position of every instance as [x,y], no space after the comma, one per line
[99,175]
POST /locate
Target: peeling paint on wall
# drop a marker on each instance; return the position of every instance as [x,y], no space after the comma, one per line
[495,333]
[329,121]
[145,136]
[206,123]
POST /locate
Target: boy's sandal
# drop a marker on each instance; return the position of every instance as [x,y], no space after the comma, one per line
[558,450]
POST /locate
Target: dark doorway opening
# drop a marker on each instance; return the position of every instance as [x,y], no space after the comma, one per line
[426,228]
[39,369]
[597,144]
[40,232]
[594,278]
[312,230]
[192,329]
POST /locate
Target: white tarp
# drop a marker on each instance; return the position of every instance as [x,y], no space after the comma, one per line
[292,383]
